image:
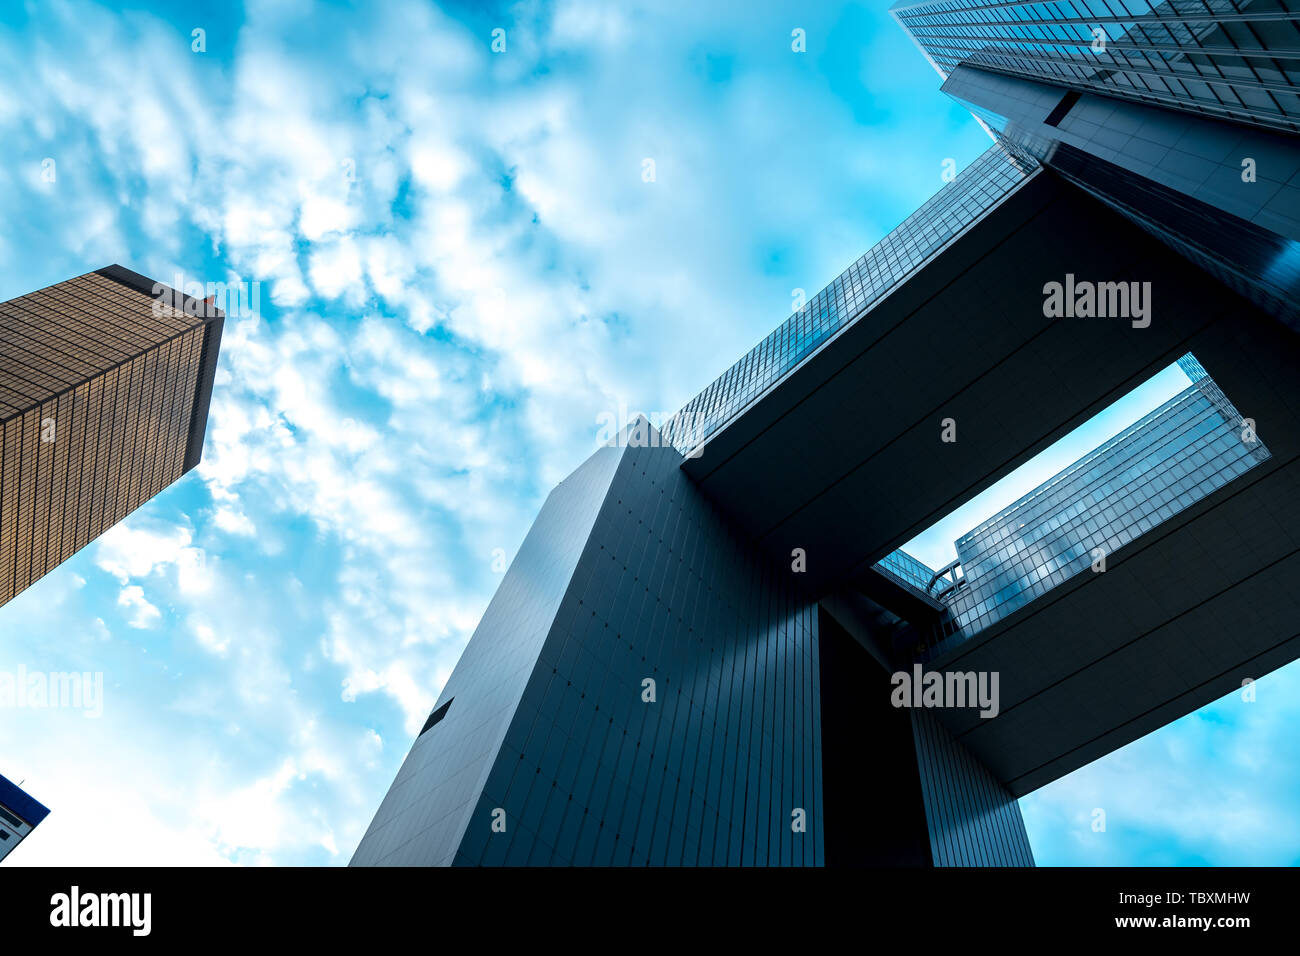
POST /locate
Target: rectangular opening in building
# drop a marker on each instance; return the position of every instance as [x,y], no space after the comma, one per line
[1148,456]
[1060,110]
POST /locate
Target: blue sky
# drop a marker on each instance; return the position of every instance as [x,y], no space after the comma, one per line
[460,270]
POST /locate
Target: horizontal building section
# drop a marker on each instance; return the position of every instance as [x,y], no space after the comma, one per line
[1173,457]
[905,249]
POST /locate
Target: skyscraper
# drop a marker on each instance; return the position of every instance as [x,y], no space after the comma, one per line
[105,382]
[19,816]
[1182,117]
[1228,60]
[695,657]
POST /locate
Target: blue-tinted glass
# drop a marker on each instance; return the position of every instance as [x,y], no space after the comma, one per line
[1219,58]
[1188,447]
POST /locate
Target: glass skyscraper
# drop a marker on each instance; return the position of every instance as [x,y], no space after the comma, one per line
[104,392]
[1181,116]
[1224,58]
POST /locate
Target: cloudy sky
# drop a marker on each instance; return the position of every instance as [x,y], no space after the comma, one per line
[460,268]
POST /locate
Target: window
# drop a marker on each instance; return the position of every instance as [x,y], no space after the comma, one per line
[435,716]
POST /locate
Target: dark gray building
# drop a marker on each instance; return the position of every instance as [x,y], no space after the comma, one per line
[695,655]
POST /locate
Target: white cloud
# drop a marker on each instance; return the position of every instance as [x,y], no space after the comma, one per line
[208,638]
[234,521]
[143,614]
[135,549]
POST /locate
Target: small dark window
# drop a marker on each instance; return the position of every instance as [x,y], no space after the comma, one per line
[1060,109]
[436,716]
[4,834]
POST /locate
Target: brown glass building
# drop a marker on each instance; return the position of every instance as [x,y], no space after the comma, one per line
[105,382]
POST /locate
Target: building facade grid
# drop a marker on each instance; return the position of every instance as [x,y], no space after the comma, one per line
[98,389]
[907,569]
[1229,59]
[1190,446]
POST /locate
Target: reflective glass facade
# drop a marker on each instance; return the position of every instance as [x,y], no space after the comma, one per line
[1228,59]
[907,569]
[1173,457]
[103,399]
[976,190]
